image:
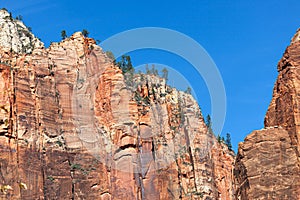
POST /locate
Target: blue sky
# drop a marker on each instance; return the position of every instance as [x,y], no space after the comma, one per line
[245,39]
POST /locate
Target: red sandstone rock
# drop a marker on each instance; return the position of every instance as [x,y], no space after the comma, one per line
[72,129]
[267,164]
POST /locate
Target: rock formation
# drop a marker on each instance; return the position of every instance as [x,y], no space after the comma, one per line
[267,164]
[73,128]
[15,36]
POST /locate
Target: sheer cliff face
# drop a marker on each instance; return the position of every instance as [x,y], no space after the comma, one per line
[284,108]
[71,128]
[267,165]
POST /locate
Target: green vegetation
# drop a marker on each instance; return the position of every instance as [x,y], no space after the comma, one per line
[200,194]
[127,69]
[141,100]
[85,33]
[209,124]
[228,141]
[75,166]
[50,178]
[59,143]
[111,56]
[63,34]
[165,74]
[19,17]
[154,71]
[147,70]
[142,76]
[10,16]
[219,139]
[125,64]
[188,90]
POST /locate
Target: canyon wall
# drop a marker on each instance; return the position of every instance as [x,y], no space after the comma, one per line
[267,164]
[72,127]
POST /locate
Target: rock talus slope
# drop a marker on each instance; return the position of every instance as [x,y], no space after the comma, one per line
[72,128]
[267,164]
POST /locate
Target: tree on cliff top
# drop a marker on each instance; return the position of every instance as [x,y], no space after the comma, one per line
[19,17]
[63,34]
[127,69]
[165,73]
[125,64]
[228,141]
[154,70]
[85,33]
[188,90]
[148,71]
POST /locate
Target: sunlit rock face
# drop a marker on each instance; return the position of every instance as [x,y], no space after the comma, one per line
[15,36]
[296,37]
[72,127]
[267,165]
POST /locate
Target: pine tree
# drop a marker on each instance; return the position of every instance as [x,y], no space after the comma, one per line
[165,74]
[127,69]
[148,71]
[63,34]
[125,64]
[153,69]
[209,123]
[228,141]
[85,33]
[188,90]
[19,17]
[110,55]
[219,139]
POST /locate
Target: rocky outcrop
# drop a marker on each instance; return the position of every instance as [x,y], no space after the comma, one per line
[267,164]
[15,36]
[73,128]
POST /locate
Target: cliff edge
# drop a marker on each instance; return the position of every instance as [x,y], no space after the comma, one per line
[267,164]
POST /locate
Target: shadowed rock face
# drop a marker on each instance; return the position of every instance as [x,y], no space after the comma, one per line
[267,164]
[71,128]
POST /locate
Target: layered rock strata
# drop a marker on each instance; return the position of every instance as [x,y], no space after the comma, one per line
[72,128]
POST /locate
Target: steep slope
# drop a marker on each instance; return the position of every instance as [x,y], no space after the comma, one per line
[267,165]
[71,128]
[15,36]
